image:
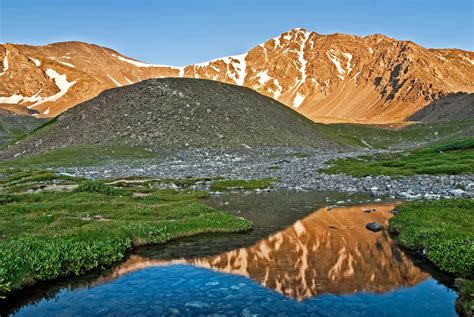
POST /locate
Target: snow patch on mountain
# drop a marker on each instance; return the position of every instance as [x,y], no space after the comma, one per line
[137,63]
[115,82]
[277,41]
[236,67]
[37,62]
[13,99]
[263,77]
[241,68]
[299,98]
[277,92]
[61,82]
[66,64]
[5,63]
[355,76]
[349,59]
[301,59]
[332,56]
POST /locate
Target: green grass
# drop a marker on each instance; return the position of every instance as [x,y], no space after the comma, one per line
[454,157]
[17,180]
[465,301]
[52,234]
[80,156]
[15,127]
[99,187]
[383,137]
[227,184]
[444,229]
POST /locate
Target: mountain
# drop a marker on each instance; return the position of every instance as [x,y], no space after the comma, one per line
[55,77]
[13,126]
[455,106]
[172,113]
[327,78]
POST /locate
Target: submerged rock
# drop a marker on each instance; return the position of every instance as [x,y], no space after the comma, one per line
[374,226]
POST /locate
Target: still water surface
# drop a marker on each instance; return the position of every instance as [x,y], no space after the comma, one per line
[301,260]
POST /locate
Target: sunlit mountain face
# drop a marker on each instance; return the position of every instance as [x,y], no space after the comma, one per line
[327,78]
[329,251]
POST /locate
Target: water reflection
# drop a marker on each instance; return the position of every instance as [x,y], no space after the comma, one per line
[329,251]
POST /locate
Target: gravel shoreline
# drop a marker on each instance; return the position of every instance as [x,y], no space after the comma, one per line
[295,168]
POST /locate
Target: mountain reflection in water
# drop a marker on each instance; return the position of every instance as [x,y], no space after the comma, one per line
[329,251]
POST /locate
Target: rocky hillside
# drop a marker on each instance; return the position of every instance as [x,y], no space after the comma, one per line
[176,113]
[13,126]
[456,106]
[328,78]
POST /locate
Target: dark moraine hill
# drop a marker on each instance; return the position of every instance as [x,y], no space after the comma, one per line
[175,113]
[455,106]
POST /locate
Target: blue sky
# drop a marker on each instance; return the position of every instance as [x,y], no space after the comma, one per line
[180,32]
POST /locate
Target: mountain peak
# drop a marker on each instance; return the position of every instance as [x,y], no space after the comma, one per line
[328,78]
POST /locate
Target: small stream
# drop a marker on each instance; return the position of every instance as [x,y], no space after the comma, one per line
[302,259]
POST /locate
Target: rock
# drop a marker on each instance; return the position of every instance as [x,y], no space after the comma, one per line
[431,196]
[282,161]
[470,188]
[368,211]
[340,202]
[196,304]
[374,226]
[174,311]
[332,227]
[247,313]
[457,192]
[409,196]
[394,212]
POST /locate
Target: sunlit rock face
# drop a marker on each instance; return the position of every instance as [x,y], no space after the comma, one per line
[330,251]
[327,78]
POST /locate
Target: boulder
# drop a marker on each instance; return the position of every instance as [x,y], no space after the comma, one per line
[374,226]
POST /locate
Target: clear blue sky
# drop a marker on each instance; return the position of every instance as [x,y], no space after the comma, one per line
[180,32]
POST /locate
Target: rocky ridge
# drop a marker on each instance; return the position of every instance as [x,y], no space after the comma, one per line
[327,78]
